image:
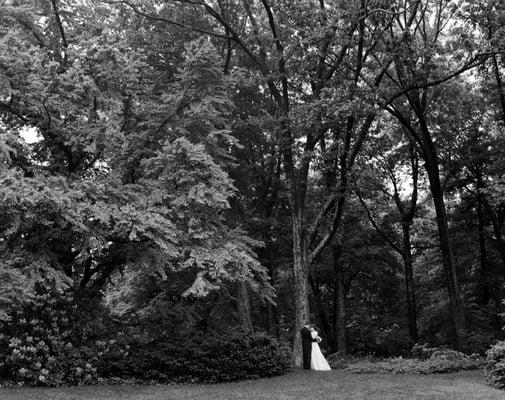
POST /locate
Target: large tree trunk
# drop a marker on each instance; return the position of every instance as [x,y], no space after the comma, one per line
[339,302]
[409,282]
[301,305]
[244,306]
[449,264]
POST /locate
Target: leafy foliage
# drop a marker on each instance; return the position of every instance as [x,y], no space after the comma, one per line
[201,358]
[441,361]
[41,344]
[495,365]
[80,220]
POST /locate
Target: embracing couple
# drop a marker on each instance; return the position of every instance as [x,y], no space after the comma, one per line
[312,356]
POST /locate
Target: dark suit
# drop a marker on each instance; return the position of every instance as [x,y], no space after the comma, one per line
[306,346]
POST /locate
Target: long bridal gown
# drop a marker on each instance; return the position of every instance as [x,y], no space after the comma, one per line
[317,360]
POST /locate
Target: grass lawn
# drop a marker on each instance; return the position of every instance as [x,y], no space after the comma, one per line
[299,384]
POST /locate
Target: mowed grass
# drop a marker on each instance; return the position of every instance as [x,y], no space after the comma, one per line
[298,384]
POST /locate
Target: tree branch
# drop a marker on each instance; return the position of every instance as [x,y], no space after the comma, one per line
[136,10]
[280,51]
[61,30]
[475,61]
[381,232]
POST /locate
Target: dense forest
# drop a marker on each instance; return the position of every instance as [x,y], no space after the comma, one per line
[198,166]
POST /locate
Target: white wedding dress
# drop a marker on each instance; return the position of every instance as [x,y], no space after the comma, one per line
[317,360]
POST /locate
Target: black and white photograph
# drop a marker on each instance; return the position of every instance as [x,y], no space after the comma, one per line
[252,199]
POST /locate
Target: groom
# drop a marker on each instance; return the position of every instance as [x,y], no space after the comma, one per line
[306,344]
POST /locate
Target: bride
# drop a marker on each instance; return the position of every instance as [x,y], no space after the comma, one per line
[317,360]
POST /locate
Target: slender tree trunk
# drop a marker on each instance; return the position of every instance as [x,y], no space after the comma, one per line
[429,154]
[500,243]
[339,302]
[449,264]
[499,86]
[272,313]
[273,320]
[244,306]
[485,292]
[409,282]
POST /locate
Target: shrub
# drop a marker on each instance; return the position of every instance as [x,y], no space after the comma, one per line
[495,365]
[366,337]
[439,361]
[39,344]
[198,359]
[339,361]
[423,351]
[391,341]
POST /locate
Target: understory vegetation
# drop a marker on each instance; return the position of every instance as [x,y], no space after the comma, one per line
[495,365]
[441,362]
[52,341]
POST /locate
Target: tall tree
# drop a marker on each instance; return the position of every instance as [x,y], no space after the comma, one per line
[418,68]
[397,182]
[111,180]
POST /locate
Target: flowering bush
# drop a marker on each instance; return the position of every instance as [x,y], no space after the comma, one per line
[495,365]
[39,344]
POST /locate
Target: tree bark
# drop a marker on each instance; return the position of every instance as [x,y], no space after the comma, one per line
[301,306]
